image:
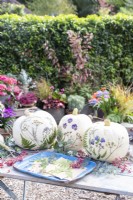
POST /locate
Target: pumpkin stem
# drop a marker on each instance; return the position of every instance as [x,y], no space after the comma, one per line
[3,145]
[75,111]
[106,122]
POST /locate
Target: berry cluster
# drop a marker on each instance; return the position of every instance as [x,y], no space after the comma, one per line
[77,164]
[123,165]
[11,160]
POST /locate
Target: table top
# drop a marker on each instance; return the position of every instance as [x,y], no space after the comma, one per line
[107,183]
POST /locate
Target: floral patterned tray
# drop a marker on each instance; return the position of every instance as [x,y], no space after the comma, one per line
[54,166]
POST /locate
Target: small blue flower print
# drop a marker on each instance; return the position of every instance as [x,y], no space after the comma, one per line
[102,140]
[46,130]
[97,138]
[74,126]
[65,125]
[92,142]
[70,120]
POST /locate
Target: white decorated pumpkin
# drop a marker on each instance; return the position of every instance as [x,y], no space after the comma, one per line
[73,126]
[35,130]
[1,139]
[106,141]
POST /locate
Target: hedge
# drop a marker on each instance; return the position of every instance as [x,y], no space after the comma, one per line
[22,45]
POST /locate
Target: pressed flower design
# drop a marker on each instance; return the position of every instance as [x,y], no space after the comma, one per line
[72,136]
[97,146]
[31,133]
[99,142]
[74,127]
[64,125]
[70,120]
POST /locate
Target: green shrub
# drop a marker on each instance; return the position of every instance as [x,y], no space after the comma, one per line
[11,8]
[23,38]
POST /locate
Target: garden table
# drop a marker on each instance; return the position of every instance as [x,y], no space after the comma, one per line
[118,184]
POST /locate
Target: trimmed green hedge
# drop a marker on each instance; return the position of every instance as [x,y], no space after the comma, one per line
[22,45]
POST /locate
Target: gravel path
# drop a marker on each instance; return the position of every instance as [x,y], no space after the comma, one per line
[38,191]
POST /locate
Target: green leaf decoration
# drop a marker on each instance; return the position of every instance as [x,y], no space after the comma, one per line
[93,151]
[44,144]
[27,144]
[59,135]
[48,142]
[52,137]
[98,157]
[104,154]
[85,139]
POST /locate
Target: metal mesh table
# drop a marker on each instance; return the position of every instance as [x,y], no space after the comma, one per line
[105,183]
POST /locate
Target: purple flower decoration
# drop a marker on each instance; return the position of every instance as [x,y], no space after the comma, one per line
[106,96]
[70,120]
[97,138]
[65,125]
[102,140]
[92,142]
[99,93]
[93,101]
[8,112]
[74,126]
[105,92]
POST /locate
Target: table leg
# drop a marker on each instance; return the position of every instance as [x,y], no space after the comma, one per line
[118,197]
[24,190]
[8,191]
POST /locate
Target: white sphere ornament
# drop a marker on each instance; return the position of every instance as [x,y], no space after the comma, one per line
[106,141]
[72,127]
[35,130]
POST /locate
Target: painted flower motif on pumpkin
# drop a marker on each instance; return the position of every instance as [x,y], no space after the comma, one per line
[92,142]
[74,126]
[102,140]
[24,127]
[97,138]
[70,120]
[64,125]
[37,122]
[47,130]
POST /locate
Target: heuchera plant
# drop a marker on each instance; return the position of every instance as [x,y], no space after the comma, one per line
[56,100]
[27,98]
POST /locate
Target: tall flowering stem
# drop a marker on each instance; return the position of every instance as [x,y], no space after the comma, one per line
[79,48]
[75,71]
